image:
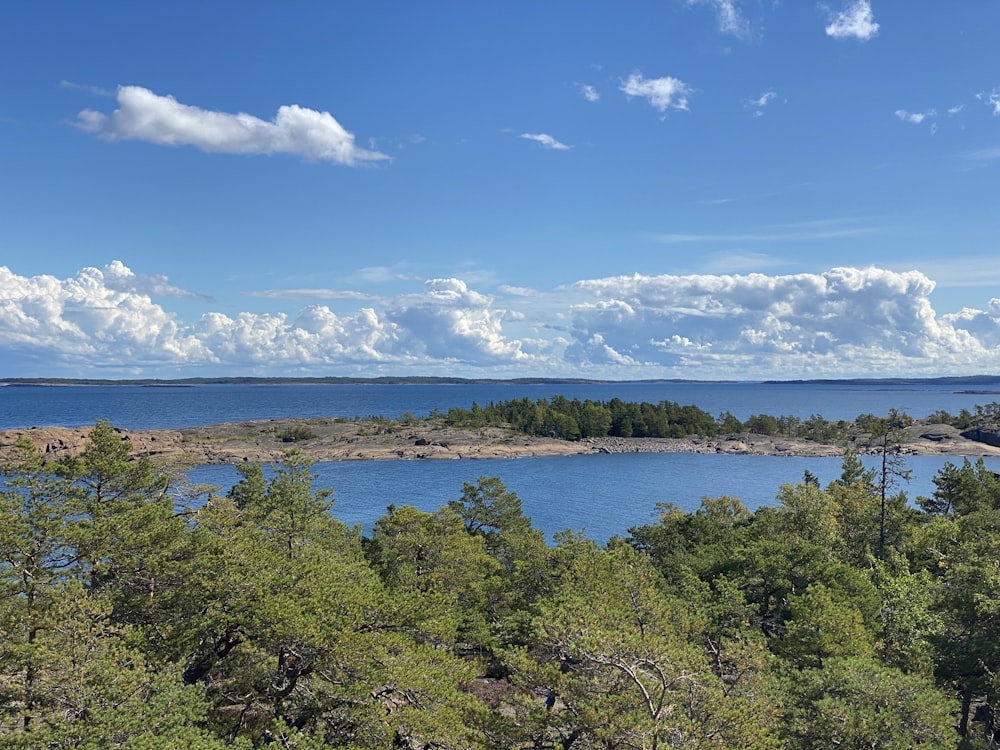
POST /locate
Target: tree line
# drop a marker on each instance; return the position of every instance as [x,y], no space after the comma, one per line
[573,419]
[844,615]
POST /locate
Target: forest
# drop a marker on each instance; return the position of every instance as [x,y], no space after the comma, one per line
[573,419]
[140,612]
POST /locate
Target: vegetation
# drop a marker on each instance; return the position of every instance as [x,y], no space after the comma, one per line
[574,419]
[842,616]
[296,434]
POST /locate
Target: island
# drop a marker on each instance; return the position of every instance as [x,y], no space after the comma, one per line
[339,439]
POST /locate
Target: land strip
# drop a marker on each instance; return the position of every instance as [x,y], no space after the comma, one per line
[332,439]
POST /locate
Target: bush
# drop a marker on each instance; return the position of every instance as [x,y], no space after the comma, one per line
[296,434]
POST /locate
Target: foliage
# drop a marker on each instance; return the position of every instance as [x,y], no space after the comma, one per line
[574,419]
[296,434]
[839,616]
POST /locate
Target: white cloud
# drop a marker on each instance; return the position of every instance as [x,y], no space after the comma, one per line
[842,322]
[384,274]
[952,111]
[855,21]
[983,325]
[451,322]
[757,105]
[546,140]
[589,93]
[728,15]
[914,117]
[91,319]
[119,277]
[309,294]
[763,100]
[662,93]
[94,90]
[518,291]
[756,324]
[145,116]
[991,99]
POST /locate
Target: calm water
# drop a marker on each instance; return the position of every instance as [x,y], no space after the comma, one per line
[139,407]
[602,495]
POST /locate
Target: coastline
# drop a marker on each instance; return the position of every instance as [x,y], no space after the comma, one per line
[320,440]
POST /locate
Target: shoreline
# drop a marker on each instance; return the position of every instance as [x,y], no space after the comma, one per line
[321,440]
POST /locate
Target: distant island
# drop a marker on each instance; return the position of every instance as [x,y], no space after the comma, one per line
[957,380]
[337,380]
[543,427]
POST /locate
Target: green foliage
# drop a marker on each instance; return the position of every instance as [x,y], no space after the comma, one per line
[624,668]
[575,419]
[855,702]
[296,434]
[839,616]
[965,489]
[437,572]
[908,623]
[824,623]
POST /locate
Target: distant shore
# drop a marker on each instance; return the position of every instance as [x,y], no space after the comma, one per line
[265,441]
[963,381]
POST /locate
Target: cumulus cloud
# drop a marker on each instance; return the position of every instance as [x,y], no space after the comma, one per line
[145,116]
[449,321]
[842,322]
[983,325]
[662,93]
[91,319]
[755,322]
[119,277]
[856,21]
[728,15]
[589,93]
[546,140]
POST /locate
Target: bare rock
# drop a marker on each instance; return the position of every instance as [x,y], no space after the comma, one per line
[988,435]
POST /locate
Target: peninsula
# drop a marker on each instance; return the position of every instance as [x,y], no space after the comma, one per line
[338,439]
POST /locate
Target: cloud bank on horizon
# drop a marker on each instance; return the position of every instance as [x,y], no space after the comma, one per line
[694,188]
[839,323]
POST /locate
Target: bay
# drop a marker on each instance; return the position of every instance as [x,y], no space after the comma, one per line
[601,495]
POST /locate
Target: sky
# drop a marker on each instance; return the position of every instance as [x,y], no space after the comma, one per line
[703,189]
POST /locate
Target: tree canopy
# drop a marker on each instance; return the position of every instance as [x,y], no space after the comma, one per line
[841,616]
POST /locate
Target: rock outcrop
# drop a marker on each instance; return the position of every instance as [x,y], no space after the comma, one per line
[264,441]
[989,435]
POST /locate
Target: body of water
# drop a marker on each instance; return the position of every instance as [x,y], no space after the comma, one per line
[602,495]
[155,407]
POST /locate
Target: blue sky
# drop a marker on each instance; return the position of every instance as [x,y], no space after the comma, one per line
[714,189]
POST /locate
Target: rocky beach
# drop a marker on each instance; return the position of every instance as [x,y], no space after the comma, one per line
[332,439]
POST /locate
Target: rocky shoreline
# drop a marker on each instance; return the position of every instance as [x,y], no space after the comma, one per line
[265,441]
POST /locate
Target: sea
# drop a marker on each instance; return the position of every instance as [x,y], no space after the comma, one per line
[600,495]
